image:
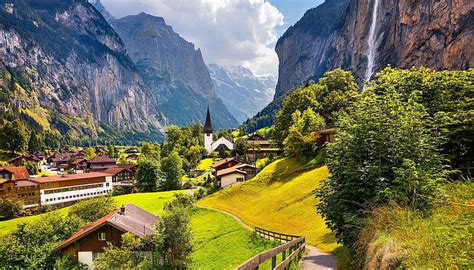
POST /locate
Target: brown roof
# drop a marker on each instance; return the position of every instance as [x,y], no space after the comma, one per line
[101,159]
[127,166]
[244,165]
[61,158]
[78,160]
[25,183]
[234,169]
[67,177]
[134,220]
[18,173]
[221,162]
[21,157]
[115,170]
[327,131]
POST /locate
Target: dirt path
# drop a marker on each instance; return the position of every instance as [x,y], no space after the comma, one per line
[315,259]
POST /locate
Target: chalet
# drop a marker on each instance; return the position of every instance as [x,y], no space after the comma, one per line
[59,160]
[131,167]
[235,174]
[224,164]
[21,160]
[327,135]
[100,163]
[14,184]
[86,244]
[79,165]
[259,147]
[121,176]
[68,188]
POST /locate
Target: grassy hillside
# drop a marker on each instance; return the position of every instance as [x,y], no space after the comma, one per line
[400,237]
[221,242]
[152,202]
[279,198]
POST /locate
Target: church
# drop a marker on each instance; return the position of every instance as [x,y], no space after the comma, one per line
[209,143]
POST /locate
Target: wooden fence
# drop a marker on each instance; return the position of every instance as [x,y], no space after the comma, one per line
[291,250]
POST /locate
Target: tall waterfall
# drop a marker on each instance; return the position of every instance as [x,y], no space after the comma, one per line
[372,42]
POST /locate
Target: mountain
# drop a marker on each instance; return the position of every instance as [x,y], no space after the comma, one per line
[241,91]
[173,69]
[365,36]
[64,68]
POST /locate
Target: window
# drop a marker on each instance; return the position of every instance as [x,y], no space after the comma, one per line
[240,179]
[102,236]
[95,255]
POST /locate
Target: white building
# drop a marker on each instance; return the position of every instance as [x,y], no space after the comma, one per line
[209,142]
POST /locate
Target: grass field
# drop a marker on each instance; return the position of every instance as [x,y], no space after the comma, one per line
[205,164]
[221,242]
[279,198]
[152,202]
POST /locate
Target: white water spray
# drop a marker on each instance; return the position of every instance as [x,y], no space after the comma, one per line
[372,42]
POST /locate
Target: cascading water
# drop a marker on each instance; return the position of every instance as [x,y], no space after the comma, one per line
[372,43]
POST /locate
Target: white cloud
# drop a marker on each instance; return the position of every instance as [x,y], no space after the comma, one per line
[229,32]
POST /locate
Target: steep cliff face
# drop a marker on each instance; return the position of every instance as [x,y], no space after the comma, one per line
[66,68]
[435,34]
[244,93]
[365,36]
[174,70]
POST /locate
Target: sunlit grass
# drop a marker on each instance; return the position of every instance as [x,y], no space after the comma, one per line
[279,198]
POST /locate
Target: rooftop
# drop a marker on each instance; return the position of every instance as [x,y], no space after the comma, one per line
[67,177]
[101,159]
[18,173]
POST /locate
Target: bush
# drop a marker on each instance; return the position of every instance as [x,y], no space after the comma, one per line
[118,190]
[92,209]
[200,193]
[10,208]
[385,151]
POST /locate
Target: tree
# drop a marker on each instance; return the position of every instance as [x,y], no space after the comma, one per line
[92,209]
[174,238]
[301,139]
[10,208]
[385,151]
[14,136]
[90,153]
[32,167]
[148,175]
[151,151]
[334,92]
[172,168]
[30,245]
[195,155]
[36,142]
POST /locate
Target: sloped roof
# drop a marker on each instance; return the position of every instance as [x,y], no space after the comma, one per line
[18,173]
[127,166]
[67,177]
[101,159]
[234,169]
[222,162]
[78,160]
[134,220]
[208,124]
[115,170]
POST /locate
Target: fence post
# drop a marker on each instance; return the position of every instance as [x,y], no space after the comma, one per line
[274,262]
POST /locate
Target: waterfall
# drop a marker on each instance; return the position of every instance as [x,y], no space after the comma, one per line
[371,42]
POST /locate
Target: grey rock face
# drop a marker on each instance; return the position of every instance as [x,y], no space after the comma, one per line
[174,70]
[241,91]
[76,66]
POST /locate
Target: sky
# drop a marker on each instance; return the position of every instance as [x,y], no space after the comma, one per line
[228,32]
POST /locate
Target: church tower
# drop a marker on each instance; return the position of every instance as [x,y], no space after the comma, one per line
[208,132]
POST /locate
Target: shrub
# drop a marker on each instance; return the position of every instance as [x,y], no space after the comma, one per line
[92,209]
[10,208]
[385,151]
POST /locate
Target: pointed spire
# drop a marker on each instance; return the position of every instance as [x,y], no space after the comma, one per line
[208,124]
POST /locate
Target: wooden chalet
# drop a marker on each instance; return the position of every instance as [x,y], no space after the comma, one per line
[327,135]
[86,244]
[259,147]
[224,163]
[15,184]
[100,163]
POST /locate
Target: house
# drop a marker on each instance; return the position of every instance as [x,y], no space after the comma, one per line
[86,244]
[250,170]
[14,184]
[121,176]
[209,144]
[230,176]
[131,167]
[21,160]
[59,161]
[79,165]
[224,164]
[100,163]
[68,188]
[327,135]
[258,147]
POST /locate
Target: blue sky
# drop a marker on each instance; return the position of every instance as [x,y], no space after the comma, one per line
[228,32]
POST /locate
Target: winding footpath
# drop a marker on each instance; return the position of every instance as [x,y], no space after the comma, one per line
[315,259]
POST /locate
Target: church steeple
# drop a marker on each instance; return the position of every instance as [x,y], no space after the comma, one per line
[208,124]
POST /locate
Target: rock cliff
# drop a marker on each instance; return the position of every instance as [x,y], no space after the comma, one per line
[365,36]
[174,70]
[64,67]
